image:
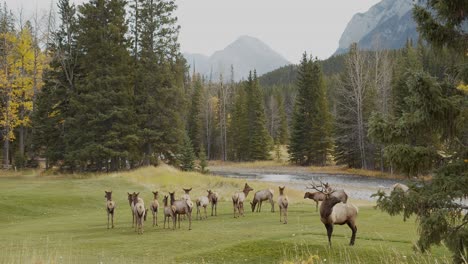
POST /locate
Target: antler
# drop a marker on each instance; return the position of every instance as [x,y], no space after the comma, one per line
[323,187]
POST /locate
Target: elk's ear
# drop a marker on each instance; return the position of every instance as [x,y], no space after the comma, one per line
[190,189]
[128,194]
[138,193]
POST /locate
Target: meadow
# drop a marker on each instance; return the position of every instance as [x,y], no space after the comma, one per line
[62,219]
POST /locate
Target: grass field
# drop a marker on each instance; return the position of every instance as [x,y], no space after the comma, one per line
[62,219]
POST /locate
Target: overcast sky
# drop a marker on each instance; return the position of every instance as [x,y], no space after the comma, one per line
[289,27]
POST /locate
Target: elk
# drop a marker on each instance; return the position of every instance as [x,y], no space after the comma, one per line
[238,200]
[169,212]
[333,212]
[132,206]
[186,195]
[261,196]
[213,198]
[110,207]
[139,211]
[400,186]
[154,208]
[319,197]
[283,204]
[182,207]
[202,201]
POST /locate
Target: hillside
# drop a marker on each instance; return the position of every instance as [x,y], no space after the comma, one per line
[245,54]
[386,25]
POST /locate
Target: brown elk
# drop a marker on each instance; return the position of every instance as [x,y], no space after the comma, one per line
[154,208]
[202,201]
[333,212]
[213,198]
[132,206]
[319,197]
[182,207]
[169,212]
[261,196]
[186,195]
[238,200]
[139,211]
[400,186]
[110,207]
[283,204]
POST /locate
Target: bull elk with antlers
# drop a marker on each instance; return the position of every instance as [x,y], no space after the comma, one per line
[333,212]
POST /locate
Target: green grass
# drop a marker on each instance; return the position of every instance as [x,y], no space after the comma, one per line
[62,219]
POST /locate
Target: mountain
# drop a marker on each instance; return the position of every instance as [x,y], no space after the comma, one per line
[386,25]
[245,54]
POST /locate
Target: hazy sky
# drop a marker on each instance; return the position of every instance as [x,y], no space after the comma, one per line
[289,27]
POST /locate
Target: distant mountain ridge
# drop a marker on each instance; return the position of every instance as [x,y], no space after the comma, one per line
[386,25]
[245,53]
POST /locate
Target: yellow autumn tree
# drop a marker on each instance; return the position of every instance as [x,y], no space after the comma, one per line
[23,85]
[10,102]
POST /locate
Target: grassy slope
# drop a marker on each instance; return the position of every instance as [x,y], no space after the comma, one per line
[63,220]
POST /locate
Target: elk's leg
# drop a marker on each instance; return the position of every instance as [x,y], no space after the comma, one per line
[285,210]
[190,221]
[281,211]
[212,205]
[234,205]
[206,216]
[178,219]
[156,215]
[112,219]
[174,220]
[329,232]
[216,209]
[354,230]
[107,218]
[153,217]
[272,205]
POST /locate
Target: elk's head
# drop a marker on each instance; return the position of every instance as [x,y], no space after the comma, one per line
[247,188]
[135,197]
[155,195]
[281,189]
[108,195]
[165,200]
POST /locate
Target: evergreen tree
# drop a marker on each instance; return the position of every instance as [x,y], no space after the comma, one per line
[238,132]
[354,104]
[103,124]
[194,119]
[159,74]
[52,102]
[283,130]
[430,129]
[187,156]
[203,162]
[310,133]
[259,140]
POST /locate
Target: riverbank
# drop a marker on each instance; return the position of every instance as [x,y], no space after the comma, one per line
[283,167]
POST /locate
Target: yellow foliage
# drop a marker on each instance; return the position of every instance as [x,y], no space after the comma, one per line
[463,87]
[20,76]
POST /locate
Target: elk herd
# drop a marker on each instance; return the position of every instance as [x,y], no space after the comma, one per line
[334,209]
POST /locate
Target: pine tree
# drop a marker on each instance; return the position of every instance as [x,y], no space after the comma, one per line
[187,156]
[428,130]
[355,102]
[52,106]
[203,162]
[159,74]
[283,130]
[102,127]
[195,119]
[310,133]
[259,139]
[238,132]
